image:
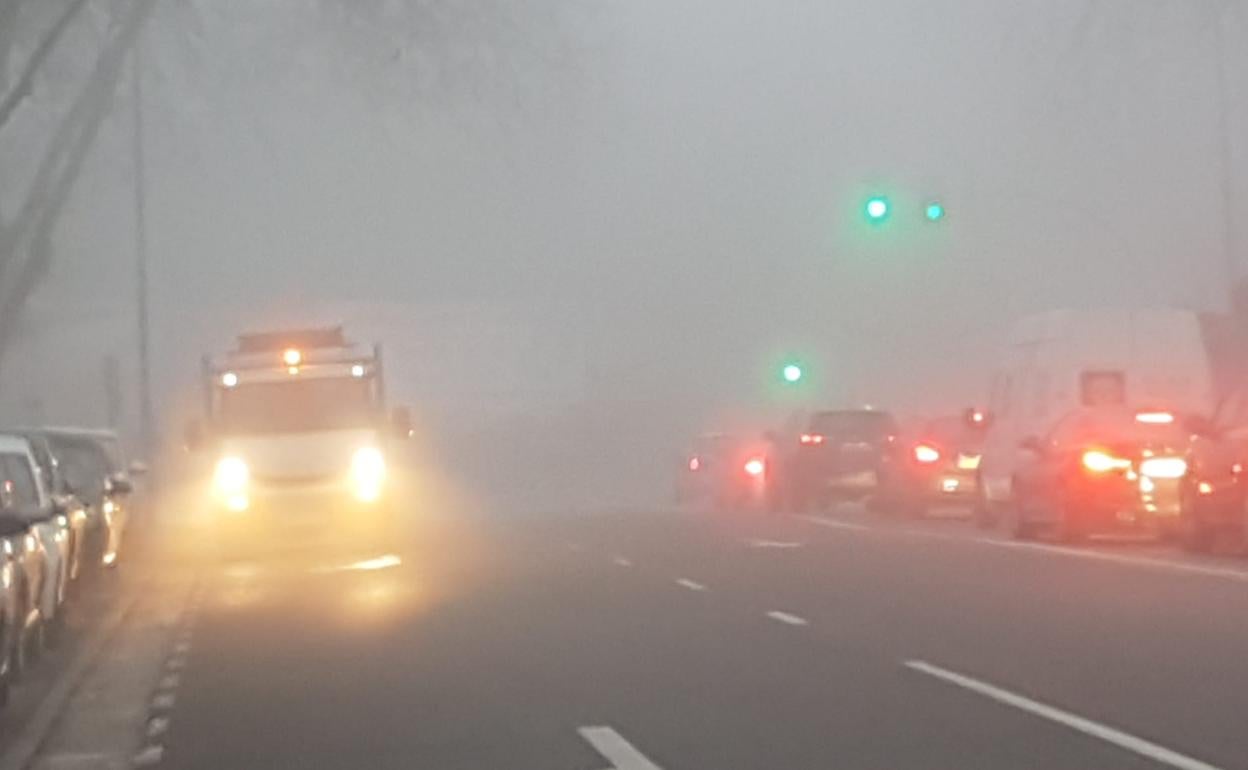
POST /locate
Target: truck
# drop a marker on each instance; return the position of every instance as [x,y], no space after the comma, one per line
[300,442]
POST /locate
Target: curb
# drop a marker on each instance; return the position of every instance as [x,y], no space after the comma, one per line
[25,748]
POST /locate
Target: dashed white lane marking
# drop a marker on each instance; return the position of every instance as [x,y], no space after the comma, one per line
[612,746]
[824,521]
[157,727]
[1225,573]
[169,682]
[163,701]
[1118,738]
[149,756]
[622,562]
[690,584]
[182,647]
[784,617]
[779,544]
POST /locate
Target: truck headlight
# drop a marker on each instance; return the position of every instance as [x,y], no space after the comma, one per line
[230,480]
[368,472]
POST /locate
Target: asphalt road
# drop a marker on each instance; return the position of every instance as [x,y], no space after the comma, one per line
[684,640]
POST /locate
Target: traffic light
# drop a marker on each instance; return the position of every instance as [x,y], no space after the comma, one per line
[935,211]
[792,372]
[877,209]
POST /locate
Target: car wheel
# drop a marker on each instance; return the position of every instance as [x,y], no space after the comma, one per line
[1021,527]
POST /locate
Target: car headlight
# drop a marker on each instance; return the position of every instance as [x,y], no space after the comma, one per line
[230,481]
[368,472]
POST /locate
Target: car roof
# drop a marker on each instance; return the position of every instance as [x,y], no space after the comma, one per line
[11,443]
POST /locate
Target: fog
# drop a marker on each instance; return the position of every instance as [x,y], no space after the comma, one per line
[598,228]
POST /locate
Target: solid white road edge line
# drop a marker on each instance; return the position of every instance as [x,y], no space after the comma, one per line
[612,746]
[785,617]
[1118,738]
[690,584]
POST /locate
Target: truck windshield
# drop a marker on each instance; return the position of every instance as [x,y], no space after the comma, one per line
[297,405]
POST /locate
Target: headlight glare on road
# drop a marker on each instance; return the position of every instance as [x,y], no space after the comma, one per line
[368,472]
[1163,467]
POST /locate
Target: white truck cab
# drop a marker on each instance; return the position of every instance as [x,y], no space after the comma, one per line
[299,436]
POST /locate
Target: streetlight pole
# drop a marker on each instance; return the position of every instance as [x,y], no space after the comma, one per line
[140,256]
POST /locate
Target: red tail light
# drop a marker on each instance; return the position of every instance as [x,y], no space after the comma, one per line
[926,453]
[809,439]
[755,466]
[694,463]
[1155,418]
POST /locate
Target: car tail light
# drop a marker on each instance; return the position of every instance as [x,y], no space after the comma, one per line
[694,463]
[1100,461]
[755,466]
[1204,488]
[810,439]
[926,453]
[1155,418]
[1163,467]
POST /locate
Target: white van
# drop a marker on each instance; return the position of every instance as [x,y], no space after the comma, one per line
[1065,359]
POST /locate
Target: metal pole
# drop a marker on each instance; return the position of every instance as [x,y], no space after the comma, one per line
[140,256]
[1226,154]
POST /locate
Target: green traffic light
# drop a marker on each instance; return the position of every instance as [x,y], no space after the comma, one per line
[877,209]
[935,212]
[792,373]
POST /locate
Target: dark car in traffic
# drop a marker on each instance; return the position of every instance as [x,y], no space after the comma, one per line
[1102,470]
[834,455]
[934,465]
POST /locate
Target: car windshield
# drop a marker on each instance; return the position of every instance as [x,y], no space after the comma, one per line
[84,464]
[297,405]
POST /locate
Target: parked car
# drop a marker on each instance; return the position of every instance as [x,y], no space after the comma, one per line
[95,470]
[77,518]
[29,537]
[1064,360]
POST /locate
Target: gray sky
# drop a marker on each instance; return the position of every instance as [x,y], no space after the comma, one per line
[648,221]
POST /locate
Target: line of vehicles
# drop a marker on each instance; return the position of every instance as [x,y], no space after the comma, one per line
[1098,422]
[66,496]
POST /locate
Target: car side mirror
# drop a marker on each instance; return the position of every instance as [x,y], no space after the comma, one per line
[1031,444]
[119,484]
[193,436]
[401,422]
